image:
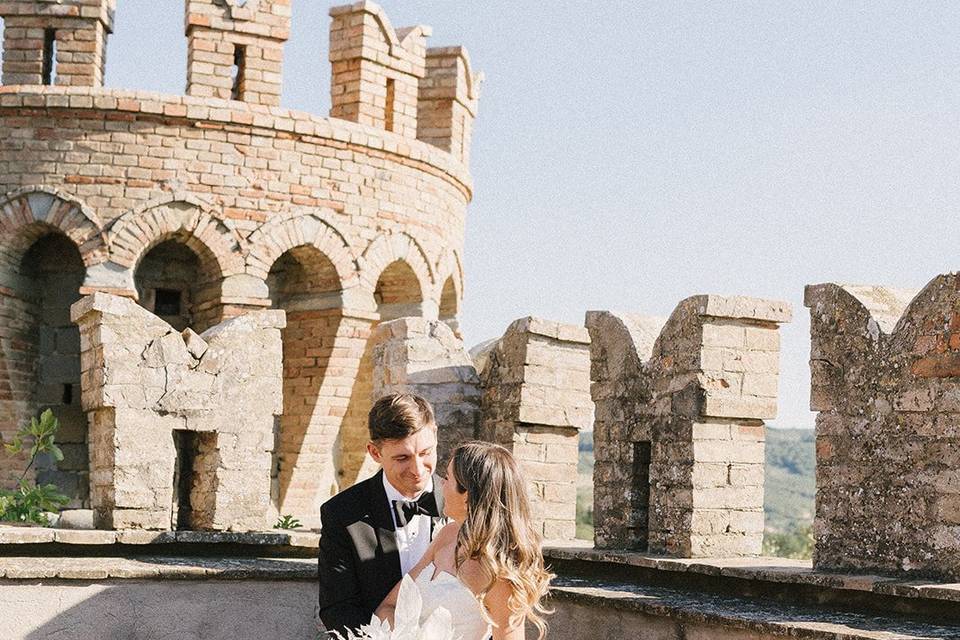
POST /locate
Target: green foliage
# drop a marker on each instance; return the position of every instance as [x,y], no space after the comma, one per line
[794,543]
[32,503]
[288,522]
[790,484]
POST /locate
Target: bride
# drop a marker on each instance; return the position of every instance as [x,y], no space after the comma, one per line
[485,567]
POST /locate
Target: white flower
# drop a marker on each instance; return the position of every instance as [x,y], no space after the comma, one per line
[438,626]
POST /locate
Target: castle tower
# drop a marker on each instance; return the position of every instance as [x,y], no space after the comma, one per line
[61,42]
[376,70]
[235,49]
[447,103]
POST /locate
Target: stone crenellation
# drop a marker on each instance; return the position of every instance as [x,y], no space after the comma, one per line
[536,400]
[165,404]
[679,431]
[885,381]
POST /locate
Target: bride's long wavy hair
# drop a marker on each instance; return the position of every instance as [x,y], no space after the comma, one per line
[498,531]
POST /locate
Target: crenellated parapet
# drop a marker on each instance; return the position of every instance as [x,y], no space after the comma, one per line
[235,49]
[376,68]
[448,99]
[536,399]
[59,42]
[885,379]
[679,430]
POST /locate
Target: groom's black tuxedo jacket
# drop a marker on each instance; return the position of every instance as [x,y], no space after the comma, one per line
[359,560]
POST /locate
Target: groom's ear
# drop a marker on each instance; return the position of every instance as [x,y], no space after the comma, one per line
[374,452]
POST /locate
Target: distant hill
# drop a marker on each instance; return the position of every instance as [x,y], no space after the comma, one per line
[789,489]
[789,486]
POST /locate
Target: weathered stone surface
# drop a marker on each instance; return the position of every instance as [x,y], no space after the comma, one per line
[425,357]
[536,398]
[153,391]
[885,380]
[678,436]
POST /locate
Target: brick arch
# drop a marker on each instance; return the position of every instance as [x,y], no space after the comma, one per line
[278,235]
[31,212]
[389,248]
[449,266]
[185,218]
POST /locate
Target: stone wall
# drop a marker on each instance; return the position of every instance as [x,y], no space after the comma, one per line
[181,426]
[413,355]
[536,399]
[885,379]
[679,434]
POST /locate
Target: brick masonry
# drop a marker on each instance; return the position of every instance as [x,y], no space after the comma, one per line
[240,194]
[679,432]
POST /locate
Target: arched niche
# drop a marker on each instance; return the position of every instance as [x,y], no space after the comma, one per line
[40,353]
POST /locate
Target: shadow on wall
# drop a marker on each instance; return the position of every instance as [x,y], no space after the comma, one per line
[154,610]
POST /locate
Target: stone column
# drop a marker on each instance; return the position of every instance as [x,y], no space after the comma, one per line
[322,355]
[536,399]
[425,357]
[679,433]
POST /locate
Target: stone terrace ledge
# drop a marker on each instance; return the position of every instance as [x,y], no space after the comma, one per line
[151,568]
[747,597]
[25,541]
[777,570]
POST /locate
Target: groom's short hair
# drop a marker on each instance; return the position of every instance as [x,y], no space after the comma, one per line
[398,416]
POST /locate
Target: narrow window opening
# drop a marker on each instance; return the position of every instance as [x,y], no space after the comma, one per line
[389,108]
[167,302]
[187,447]
[49,71]
[194,481]
[640,503]
[239,71]
[67,393]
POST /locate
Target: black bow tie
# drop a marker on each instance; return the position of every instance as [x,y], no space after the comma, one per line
[425,505]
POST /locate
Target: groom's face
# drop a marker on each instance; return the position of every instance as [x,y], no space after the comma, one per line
[408,464]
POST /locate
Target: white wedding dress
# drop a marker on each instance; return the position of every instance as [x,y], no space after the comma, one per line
[442,589]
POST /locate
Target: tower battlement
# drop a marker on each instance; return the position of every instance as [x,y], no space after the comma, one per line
[383,78]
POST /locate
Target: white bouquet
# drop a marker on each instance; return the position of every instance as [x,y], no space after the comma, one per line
[438,626]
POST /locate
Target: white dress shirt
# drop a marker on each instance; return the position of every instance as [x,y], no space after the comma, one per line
[414,538]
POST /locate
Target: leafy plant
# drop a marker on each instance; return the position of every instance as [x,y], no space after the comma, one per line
[288,522]
[32,503]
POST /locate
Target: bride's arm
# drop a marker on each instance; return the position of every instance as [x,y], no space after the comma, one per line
[444,536]
[497,602]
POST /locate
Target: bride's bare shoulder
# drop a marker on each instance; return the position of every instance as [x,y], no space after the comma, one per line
[473,575]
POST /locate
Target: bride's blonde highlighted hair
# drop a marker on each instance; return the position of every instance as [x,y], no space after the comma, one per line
[498,531]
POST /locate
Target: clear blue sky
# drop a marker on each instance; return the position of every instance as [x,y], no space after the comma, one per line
[628,154]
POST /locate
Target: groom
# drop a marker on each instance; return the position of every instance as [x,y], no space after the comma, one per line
[377,530]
